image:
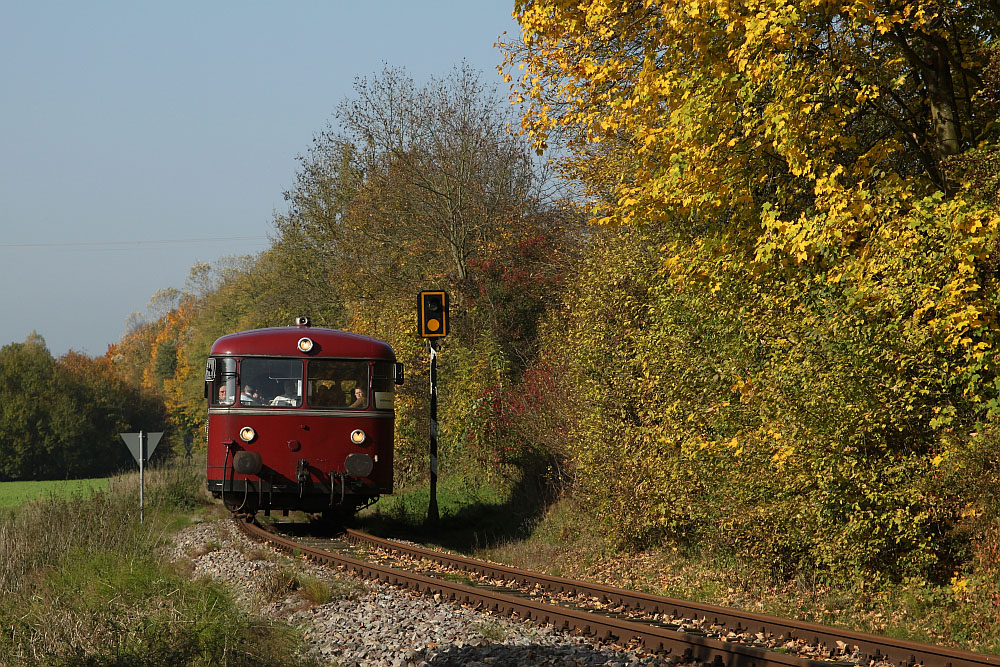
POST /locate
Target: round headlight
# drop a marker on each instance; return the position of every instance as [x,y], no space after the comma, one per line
[305,344]
[247,434]
[358,436]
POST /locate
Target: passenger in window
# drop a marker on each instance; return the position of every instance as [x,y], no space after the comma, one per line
[288,397]
[359,398]
[249,396]
[224,398]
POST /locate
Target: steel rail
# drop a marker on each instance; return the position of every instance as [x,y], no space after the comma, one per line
[686,647]
[883,649]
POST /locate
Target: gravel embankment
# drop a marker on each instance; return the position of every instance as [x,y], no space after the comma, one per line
[369,623]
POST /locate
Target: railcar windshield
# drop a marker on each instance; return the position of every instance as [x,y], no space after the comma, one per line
[337,384]
[272,382]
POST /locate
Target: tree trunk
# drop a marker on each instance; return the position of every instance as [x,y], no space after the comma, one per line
[944,109]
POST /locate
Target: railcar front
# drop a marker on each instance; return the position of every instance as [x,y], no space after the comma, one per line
[300,418]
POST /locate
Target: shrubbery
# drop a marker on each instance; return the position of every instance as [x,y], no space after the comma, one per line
[778,417]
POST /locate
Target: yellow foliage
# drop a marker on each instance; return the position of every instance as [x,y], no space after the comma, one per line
[747,122]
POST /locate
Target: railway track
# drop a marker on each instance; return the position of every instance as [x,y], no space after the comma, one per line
[686,632]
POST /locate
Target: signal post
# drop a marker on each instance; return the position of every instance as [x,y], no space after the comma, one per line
[432,324]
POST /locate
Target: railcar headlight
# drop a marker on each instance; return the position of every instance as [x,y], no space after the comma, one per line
[358,436]
[305,344]
[247,434]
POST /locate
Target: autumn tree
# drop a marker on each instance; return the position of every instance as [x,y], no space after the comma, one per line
[411,182]
[422,186]
[416,186]
[791,279]
[163,350]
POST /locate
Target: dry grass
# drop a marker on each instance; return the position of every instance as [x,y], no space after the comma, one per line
[258,553]
[276,583]
[199,550]
[82,582]
[315,590]
[490,630]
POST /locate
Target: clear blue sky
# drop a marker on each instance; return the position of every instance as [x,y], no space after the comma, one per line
[141,124]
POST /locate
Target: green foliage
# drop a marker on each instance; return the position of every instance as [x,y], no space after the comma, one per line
[165,362]
[61,418]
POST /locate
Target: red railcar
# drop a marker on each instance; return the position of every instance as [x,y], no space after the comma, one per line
[300,418]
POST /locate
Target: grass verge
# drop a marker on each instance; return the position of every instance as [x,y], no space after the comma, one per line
[472,514]
[82,582]
[14,494]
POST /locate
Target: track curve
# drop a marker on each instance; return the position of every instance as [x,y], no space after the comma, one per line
[883,649]
[682,646]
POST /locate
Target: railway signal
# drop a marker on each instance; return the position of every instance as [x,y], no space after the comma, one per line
[432,314]
[432,323]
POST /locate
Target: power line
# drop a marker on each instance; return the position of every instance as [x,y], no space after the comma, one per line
[110,244]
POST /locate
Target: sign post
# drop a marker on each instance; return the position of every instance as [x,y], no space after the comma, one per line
[141,445]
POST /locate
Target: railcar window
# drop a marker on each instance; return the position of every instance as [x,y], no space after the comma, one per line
[224,386]
[337,384]
[271,382]
[383,385]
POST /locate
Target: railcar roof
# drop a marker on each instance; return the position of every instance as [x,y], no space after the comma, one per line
[282,341]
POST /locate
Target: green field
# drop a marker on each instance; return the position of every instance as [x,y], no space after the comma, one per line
[13,494]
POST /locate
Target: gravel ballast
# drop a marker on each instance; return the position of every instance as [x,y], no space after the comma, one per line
[370,623]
